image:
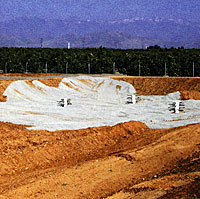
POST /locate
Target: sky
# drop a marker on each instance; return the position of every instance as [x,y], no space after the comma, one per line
[100,9]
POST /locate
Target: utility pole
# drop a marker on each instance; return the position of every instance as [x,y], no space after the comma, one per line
[114,66]
[165,69]
[66,68]
[26,67]
[88,68]
[139,68]
[6,67]
[46,67]
[83,41]
[193,69]
[41,42]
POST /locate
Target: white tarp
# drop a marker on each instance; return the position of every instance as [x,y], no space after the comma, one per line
[95,102]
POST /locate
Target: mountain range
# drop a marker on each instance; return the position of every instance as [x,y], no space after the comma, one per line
[137,32]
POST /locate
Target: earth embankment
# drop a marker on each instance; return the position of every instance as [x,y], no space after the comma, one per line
[125,161]
[189,87]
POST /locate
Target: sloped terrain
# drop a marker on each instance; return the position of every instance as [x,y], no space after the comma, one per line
[128,160]
[123,161]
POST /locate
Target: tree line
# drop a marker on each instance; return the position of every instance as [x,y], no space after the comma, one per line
[153,61]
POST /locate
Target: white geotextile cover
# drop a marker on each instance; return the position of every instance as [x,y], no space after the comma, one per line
[95,102]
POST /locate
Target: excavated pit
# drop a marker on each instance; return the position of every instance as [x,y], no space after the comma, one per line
[126,160]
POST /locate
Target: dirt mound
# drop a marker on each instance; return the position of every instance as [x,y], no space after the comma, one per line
[128,159]
[24,150]
[186,95]
[162,85]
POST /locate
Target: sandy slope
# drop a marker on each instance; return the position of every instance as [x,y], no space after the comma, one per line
[126,161]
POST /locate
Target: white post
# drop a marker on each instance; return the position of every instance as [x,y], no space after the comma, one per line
[133,99]
[193,69]
[65,102]
[114,68]
[68,45]
[165,69]
[177,107]
[26,66]
[41,42]
[88,68]
[66,67]
[46,67]
[139,69]
[6,67]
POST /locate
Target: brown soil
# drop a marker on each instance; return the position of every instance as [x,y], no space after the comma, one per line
[186,95]
[3,85]
[125,161]
[188,86]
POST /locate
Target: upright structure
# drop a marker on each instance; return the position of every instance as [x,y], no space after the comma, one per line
[68,45]
[83,42]
[6,67]
[66,70]
[132,99]
[88,68]
[176,107]
[41,42]
[26,67]
[114,68]
[139,69]
[64,102]
[46,67]
[193,69]
[165,69]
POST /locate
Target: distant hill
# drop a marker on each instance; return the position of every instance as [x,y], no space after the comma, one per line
[105,39]
[126,33]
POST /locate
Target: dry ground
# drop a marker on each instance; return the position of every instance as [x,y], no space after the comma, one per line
[125,161]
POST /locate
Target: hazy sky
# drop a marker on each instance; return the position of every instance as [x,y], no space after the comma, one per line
[100,9]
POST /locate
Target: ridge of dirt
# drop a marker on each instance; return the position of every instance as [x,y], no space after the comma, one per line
[188,86]
[18,143]
[22,150]
[116,173]
[186,95]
